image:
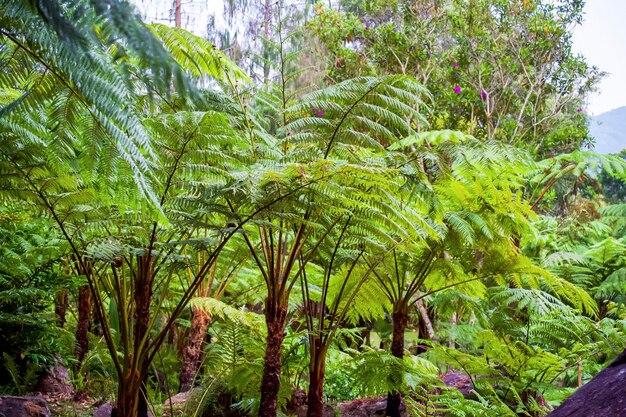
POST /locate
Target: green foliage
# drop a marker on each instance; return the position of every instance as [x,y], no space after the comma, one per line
[31,274]
[461,51]
[197,55]
[161,176]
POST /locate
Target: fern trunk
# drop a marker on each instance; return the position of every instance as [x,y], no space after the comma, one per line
[275,318]
[82,327]
[131,396]
[192,351]
[143,299]
[84,312]
[400,319]
[317,368]
[61,302]
[130,401]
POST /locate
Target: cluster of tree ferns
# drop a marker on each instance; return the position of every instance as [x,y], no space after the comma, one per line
[390,190]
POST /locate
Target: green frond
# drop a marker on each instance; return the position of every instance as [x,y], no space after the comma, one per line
[614,284]
[197,55]
[535,301]
[367,111]
[223,311]
[615,210]
[432,138]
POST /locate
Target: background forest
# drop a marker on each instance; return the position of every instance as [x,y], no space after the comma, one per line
[342,208]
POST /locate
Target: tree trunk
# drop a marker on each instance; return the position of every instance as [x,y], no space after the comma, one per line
[132,400]
[95,327]
[128,395]
[84,313]
[426,325]
[275,318]
[142,298]
[317,368]
[82,327]
[142,408]
[192,352]
[267,16]
[60,307]
[603,309]
[400,319]
[177,17]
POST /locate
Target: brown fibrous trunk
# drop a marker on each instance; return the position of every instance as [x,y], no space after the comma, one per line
[128,395]
[82,327]
[400,319]
[142,299]
[61,302]
[275,318]
[192,351]
[131,395]
[317,368]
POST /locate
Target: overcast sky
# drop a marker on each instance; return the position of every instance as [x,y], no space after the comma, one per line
[602,39]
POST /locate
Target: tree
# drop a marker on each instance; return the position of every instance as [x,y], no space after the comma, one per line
[471,190]
[461,51]
[323,125]
[213,288]
[336,284]
[120,242]
[202,227]
[254,31]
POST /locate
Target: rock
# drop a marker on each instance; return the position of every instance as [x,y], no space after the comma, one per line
[180,398]
[177,405]
[361,407]
[328,411]
[603,396]
[23,407]
[458,380]
[366,407]
[56,382]
[106,409]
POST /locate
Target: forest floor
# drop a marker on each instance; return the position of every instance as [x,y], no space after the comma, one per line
[61,406]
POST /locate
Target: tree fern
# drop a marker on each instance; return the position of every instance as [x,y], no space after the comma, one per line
[369,112]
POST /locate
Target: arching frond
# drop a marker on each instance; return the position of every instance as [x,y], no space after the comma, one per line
[223,311]
[367,111]
[197,55]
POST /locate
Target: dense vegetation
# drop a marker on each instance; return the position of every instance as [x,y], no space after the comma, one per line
[390,192]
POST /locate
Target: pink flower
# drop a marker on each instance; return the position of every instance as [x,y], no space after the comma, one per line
[455,65]
[484,95]
[317,112]
[457,89]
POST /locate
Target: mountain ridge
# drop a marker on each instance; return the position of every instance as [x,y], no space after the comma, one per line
[609,130]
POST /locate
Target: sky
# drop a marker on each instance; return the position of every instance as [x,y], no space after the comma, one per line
[194,17]
[602,40]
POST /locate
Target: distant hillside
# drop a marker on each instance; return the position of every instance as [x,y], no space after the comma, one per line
[609,130]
